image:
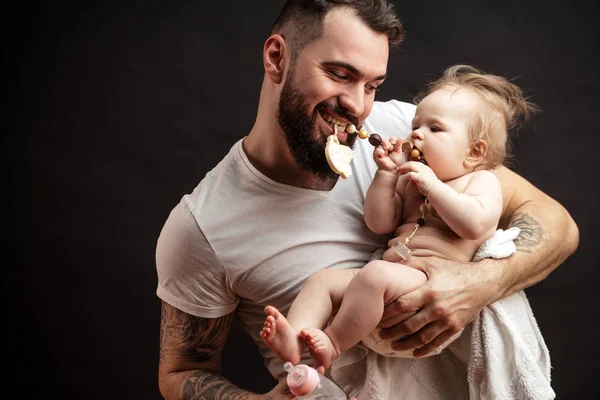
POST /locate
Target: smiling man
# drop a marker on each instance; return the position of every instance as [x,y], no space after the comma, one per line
[331,81]
[272,213]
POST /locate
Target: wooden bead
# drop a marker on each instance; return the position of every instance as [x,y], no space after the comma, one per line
[363,134]
[351,128]
[425,208]
[415,155]
[375,139]
[407,147]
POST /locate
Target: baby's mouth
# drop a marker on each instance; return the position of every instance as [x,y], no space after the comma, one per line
[412,152]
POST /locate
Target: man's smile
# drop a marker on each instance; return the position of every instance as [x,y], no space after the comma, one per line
[333,122]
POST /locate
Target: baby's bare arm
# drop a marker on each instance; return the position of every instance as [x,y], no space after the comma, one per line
[474,212]
[383,204]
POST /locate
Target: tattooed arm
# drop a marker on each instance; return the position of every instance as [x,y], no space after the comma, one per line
[456,292]
[548,233]
[190,359]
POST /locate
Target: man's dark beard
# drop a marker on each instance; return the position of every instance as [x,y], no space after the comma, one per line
[299,130]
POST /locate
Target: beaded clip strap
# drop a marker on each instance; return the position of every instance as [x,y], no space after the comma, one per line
[339,155]
[401,248]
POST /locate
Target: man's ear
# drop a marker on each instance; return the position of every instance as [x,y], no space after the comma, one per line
[476,154]
[274,57]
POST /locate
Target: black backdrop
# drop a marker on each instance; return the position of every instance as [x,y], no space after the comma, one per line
[113,112]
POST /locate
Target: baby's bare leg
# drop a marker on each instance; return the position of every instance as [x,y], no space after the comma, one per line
[281,337]
[376,285]
[320,296]
[321,293]
[320,346]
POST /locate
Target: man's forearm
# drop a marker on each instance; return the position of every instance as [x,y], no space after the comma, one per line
[204,385]
[190,353]
[548,236]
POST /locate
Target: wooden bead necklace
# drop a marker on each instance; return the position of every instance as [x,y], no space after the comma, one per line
[401,248]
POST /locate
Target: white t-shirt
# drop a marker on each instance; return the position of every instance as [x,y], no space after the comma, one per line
[241,241]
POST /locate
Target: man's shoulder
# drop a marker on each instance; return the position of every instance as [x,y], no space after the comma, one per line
[391,118]
[218,184]
[393,106]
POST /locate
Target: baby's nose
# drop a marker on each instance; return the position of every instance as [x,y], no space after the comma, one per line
[416,135]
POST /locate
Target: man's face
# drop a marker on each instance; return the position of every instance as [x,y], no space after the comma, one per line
[331,82]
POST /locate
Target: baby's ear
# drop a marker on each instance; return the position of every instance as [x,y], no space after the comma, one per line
[476,154]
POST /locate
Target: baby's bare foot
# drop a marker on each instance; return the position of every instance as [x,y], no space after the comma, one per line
[279,335]
[320,346]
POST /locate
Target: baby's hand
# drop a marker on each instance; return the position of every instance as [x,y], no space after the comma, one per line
[388,156]
[420,174]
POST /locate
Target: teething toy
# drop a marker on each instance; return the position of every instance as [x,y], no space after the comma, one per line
[338,156]
[412,152]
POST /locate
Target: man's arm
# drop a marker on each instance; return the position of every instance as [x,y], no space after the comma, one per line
[190,359]
[548,233]
[456,292]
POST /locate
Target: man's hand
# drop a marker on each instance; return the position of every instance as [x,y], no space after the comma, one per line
[279,392]
[452,297]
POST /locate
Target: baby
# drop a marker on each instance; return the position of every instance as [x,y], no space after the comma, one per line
[443,201]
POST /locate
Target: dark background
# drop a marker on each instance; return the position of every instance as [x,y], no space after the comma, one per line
[113,112]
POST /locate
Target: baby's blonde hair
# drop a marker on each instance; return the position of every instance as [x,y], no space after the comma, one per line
[506,108]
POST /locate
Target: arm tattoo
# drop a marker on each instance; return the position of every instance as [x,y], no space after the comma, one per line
[532,233]
[194,339]
[197,340]
[202,385]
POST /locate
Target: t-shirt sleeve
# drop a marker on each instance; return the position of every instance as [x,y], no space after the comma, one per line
[391,118]
[190,275]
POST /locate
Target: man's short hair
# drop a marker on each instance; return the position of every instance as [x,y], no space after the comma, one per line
[301,21]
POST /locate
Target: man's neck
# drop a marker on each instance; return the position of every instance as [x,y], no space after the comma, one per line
[274,160]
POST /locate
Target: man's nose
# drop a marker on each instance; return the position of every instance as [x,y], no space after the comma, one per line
[353,100]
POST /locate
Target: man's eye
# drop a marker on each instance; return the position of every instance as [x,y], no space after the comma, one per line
[339,76]
[371,88]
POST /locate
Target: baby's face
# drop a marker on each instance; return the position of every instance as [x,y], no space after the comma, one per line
[441,130]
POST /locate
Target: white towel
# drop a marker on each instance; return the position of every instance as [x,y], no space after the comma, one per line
[500,355]
[498,246]
[509,358]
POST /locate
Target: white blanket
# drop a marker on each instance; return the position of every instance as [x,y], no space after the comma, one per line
[500,355]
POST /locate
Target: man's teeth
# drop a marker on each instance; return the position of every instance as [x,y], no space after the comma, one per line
[332,120]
